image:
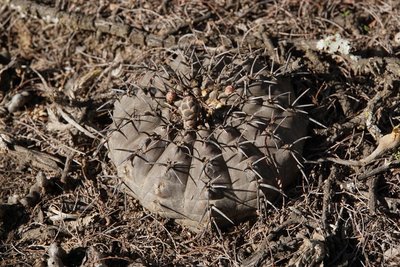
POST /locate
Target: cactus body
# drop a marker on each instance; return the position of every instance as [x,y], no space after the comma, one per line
[207,140]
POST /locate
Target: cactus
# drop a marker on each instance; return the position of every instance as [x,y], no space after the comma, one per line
[207,140]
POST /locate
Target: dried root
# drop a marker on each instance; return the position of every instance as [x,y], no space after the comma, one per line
[386,143]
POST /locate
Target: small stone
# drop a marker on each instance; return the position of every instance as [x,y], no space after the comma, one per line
[229,89]
[397,38]
[170,97]
[17,102]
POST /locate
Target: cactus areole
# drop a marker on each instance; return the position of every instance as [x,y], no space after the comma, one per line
[210,140]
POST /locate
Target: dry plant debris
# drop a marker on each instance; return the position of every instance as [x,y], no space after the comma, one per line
[386,143]
[64,64]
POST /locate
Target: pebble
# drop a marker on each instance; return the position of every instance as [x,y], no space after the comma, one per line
[17,102]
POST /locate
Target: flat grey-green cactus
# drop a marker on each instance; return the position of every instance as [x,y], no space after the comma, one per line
[209,139]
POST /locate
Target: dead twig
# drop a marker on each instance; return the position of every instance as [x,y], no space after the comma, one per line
[75,20]
[327,196]
[66,169]
[25,156]
[372,183]
[75,124]
[87,22]
[380,169]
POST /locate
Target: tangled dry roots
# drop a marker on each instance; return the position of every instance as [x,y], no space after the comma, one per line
[211,139]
